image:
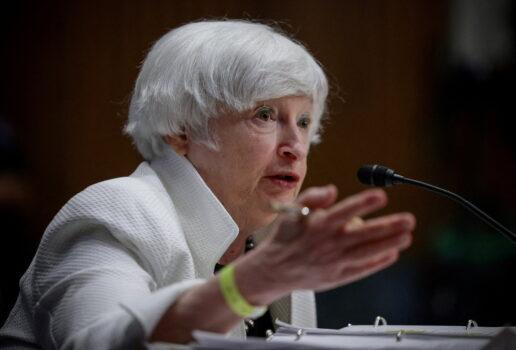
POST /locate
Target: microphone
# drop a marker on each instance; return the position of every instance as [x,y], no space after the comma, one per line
[381,176]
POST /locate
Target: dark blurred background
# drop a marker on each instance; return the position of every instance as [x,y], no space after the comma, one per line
[425,87]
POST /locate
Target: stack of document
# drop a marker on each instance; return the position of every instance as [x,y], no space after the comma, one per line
[370,337]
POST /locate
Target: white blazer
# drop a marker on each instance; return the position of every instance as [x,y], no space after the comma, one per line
[117,255]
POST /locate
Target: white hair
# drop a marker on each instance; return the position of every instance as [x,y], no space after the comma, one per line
[200,69]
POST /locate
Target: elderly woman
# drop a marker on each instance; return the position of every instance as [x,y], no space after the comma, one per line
[224,113]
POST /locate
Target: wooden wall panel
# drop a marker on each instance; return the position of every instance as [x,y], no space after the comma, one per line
[71,67]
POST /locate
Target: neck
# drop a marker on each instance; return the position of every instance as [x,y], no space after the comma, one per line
[236,249]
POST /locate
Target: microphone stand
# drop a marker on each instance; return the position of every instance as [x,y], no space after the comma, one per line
[455,197]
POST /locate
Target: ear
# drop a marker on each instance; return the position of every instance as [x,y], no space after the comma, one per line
[179,143]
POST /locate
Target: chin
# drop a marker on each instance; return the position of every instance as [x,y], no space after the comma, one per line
[284,197]
[263,220]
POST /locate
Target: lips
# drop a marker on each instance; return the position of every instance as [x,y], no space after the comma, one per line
[287,180]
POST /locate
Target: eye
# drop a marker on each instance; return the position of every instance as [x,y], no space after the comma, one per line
[304,122]
[264,113]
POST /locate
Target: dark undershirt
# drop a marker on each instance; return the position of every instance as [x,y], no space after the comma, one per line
[259,327]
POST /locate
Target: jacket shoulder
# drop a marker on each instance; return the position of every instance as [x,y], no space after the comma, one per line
[136,210]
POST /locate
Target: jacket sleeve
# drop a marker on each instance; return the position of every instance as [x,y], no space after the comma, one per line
[94,293]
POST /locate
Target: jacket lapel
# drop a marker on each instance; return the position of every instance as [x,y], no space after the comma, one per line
[208,227]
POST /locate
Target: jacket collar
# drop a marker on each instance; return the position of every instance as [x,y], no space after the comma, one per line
[209,230]
[208,227]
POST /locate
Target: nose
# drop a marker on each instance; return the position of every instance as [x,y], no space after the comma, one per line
[292,145]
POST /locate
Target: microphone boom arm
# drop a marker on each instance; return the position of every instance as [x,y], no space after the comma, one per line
[455,197]
[381,176]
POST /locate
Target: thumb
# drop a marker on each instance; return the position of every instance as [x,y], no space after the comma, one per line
[318,197]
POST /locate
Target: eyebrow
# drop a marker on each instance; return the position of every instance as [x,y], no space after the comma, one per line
[264,106]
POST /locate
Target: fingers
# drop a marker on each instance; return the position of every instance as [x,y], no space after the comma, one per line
[336,252]
[357,205]
[368,252]
[352,274]
[379,228]
[318,197]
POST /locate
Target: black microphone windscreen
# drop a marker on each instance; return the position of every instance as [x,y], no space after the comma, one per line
[364,174]
[375,175]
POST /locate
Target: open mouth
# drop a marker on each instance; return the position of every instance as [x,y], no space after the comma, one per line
[285,180]
[288,178]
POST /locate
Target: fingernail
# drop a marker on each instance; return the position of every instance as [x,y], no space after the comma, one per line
[406,224]
[325,190]
[329,187]
[405,240]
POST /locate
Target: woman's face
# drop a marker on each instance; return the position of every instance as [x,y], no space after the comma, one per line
[261,158]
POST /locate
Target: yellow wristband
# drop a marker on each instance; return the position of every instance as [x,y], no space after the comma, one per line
[232,296]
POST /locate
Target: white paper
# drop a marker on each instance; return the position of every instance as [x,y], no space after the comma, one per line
[370,337]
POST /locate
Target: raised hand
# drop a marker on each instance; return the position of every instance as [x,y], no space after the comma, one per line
[323,250]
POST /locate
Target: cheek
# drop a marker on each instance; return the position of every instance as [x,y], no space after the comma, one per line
[244,155]
[303,169]
[252,161]
[253,152]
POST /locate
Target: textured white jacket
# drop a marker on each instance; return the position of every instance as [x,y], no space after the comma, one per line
[117,255]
